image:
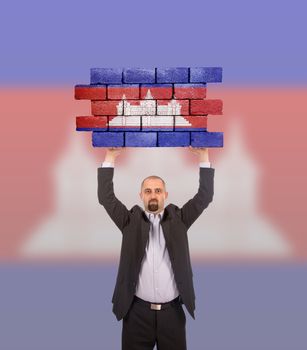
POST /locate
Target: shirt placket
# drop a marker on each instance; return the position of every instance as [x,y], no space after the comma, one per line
[155,238]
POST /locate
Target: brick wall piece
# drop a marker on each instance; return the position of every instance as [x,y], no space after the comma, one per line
[106,75]
[141,107]
[90,123]
[157,91]
[123,123]
[173,75]
[173,107]
[158,123]
[206,139]
[111,107]
[90,92]
[206,75]
[139,75]
[190,91]
[199,123]
[130,91]
[201,107]
[107,139]
[173,139]
[140,139]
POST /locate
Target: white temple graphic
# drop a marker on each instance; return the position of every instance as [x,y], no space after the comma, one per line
[231,226]
[129,114]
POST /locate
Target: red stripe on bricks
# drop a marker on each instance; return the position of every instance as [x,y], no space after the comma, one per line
[117,92]
[91,122]
[90,93]
[162,93]
[173,107]
[198,92]
[107,107]
[201,107]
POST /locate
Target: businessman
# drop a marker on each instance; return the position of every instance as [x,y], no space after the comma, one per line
[155,275]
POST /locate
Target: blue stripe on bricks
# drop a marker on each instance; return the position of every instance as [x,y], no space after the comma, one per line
[107,139]
[173,75]
[106,75]
[206,139]
[140,139]
[206,75]
[173,139]
[139,75]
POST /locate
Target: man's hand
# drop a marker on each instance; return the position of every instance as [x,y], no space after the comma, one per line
[112,153]
[202,152]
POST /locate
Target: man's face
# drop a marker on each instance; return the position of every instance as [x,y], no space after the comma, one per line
[153,195]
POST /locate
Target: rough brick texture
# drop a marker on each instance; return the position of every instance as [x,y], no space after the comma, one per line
[107,139]
[206,75]
[90,92]
[190,91]
[139,75]
[206,139]
[140,139]
[173,139]
[91,123]
[173,75]
[106,75]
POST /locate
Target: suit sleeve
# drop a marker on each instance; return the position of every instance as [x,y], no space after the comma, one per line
[195,206]
[106,197]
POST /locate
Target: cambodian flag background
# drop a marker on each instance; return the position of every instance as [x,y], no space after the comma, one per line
[59,250]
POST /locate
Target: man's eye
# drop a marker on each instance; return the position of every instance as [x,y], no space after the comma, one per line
[158,190]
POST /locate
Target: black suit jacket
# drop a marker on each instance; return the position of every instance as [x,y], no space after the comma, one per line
[135,225]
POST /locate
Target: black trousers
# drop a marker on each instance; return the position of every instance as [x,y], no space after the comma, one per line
[143,328]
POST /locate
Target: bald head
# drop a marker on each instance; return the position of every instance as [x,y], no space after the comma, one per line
[153,177]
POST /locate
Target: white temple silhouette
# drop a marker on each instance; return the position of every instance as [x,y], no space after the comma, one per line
[231,225]
[129,114]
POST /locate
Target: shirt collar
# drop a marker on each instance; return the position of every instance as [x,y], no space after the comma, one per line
[148,213]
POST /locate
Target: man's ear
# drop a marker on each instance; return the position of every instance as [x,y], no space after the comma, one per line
[166,195]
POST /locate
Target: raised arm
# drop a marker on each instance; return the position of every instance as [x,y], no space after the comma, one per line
[114,207]
[195,206]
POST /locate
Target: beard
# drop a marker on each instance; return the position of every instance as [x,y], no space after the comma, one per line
[153,205]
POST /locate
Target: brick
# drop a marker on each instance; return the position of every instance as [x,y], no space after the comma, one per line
[197,123]
[91,123]
[173,75]
[107,139]
[173,139]
[201,107]
[140,139]
[157,91]
[173,107]
[158,123]
[129,91]
[106,75]
[206,139]
[90,92]
[190,91]
[107,107]
[139,75]
[141,107]
[206,75]
[123,123]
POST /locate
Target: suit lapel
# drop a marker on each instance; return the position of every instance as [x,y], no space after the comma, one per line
[165,223]
[145,226]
